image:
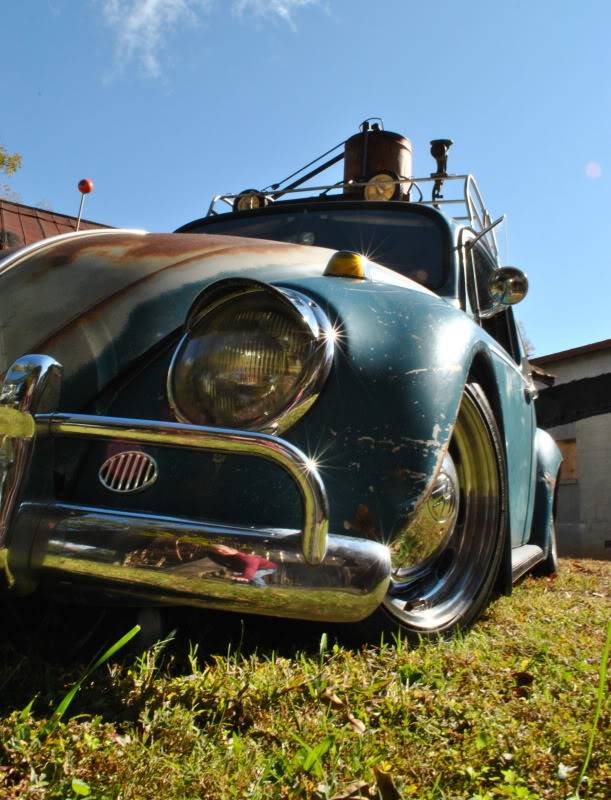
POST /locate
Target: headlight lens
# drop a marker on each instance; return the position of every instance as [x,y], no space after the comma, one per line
[382,186]
[249,200]
[255,359]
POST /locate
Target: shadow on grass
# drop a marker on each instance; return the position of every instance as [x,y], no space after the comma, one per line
[47,644]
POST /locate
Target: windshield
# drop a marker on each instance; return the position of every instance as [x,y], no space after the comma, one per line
[409,242]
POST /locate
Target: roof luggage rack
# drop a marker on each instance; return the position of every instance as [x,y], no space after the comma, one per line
[370,155]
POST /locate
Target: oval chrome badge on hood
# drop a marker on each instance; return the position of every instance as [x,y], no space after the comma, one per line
[130,471]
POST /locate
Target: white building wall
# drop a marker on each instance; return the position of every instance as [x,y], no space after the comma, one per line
[594,465]
[588,365]
[584,505]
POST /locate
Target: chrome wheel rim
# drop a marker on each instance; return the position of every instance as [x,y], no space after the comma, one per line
[439,592]
[429,533]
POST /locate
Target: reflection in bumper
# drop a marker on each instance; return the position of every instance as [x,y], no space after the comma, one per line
[183,562]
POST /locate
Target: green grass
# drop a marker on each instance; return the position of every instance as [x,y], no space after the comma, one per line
[514,709]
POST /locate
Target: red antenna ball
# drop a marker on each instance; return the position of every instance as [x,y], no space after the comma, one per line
[85,186]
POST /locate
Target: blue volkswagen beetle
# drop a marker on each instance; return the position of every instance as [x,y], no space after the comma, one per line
[311,403]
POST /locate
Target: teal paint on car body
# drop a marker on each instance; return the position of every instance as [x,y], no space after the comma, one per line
[402,351]
[406,356]
[420,434]
[548,465]
[519,428]
[395,390]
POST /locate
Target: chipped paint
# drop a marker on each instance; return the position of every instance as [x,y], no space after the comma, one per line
[429,443]
[435,370]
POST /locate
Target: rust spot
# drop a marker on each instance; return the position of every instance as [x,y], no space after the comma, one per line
[404,474]
[186,248]
[123,248]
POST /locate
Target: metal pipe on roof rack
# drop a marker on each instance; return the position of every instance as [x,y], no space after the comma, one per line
[485,231]
[441,202]
[288,189]
[365,131]
[309,175]
[211,210]
[301,169]
[339,184]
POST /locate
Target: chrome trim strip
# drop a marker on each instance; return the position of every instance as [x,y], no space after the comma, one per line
[524,558]
[31,384]
[11,261]
[219,440]
[179,561]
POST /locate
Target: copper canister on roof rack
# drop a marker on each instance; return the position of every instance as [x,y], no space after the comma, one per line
[375,151]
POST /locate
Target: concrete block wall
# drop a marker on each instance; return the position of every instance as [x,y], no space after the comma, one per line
[594,451]
[584,507]
[584,504]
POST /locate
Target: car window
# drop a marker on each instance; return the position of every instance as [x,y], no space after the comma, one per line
[481,269]
[412,243]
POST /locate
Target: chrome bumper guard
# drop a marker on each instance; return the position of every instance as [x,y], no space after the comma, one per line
[306,574]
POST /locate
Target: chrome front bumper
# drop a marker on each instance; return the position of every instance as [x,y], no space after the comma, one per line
[313,575]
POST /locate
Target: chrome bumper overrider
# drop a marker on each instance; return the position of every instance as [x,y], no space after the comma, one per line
[305,574]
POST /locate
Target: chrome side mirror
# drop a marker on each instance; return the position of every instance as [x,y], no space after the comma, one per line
[507,286]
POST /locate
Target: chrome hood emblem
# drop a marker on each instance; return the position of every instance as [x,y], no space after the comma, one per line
[130,471]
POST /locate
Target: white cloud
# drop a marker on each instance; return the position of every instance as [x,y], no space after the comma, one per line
[280,9]
[142,26]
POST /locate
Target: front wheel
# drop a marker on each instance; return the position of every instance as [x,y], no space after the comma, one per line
[445,563]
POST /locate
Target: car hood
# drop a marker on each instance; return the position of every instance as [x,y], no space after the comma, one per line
[107,298]
[98,301]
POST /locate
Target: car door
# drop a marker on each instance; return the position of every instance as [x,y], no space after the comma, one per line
[515,384]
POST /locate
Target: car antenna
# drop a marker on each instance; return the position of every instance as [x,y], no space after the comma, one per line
[85,186]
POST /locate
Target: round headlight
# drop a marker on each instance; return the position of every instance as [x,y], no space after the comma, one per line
[382,186]
[255,358]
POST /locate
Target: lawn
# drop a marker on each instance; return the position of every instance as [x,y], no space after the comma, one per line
[264,709]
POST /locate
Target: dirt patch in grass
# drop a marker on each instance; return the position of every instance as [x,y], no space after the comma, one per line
[284,710]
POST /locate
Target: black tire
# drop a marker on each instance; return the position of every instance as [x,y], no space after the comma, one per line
[450,587]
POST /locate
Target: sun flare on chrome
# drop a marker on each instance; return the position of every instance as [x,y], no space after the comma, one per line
[334,334]
[311,464]
[319,457]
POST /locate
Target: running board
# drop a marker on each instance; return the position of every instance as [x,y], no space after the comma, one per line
[524,558]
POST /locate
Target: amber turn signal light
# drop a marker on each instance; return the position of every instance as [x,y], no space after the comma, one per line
[345,264]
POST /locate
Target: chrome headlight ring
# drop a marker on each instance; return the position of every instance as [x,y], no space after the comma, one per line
[207,384]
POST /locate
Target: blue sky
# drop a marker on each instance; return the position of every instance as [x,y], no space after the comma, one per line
[165,102]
